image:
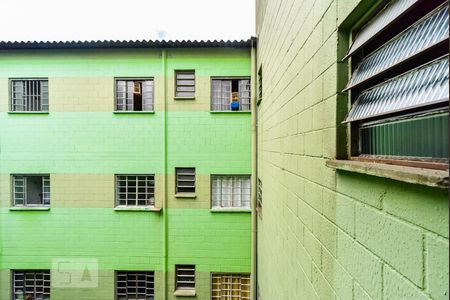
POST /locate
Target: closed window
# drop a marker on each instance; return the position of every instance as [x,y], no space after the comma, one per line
[400,84]
[31,284]
[134,95]
[29,95]
[31,190]
[260,86]
[230,94]
[230,191]
[185,277]
[135,190]
[259,196]
[185,84]
[135,285]
[185,180]
[230,286]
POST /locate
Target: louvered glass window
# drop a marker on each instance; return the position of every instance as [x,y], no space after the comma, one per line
[185,277]
[31,284]
[31,190]
[185,84]
[134,95]
[185,180]
[135,190]
[399,87]
[135,285]
[230,95]
[230,191]
[29,95]
[230,286]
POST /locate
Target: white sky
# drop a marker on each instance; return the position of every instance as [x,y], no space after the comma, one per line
[61,20]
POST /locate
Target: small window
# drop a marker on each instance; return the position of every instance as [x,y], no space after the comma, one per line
[259,195]
[135,190]
[230,94]
[230,191]
[260,85]
[29,95]
[135,285]
[185,178]
[31,190]
[31,284]
[230,286]
[185,84]
[185,277]
[134,95]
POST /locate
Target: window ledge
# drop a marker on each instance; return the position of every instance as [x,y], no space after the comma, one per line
[183,98]
[428,177]
[185,195]
[142,208]
[184,293]
[230,111]
[28,112]
[230,209]
[24,208]
[133,112]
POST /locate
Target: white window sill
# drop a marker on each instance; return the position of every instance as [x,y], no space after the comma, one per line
[230,111]
[186,195]
[125,112]
[185,293]
[24,208]
[428,177]
[28,112]
[230,209]
[139,208]
[183,98]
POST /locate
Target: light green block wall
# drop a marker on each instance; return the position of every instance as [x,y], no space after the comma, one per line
[325,234]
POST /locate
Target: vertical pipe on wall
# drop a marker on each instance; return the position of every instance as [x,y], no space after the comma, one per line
[254,169]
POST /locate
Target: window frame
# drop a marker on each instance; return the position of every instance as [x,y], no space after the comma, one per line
[185,266]
[116,79]
[45,272]
[25,205]
[176,181]
[116,277]
[10,95]
[224,78]
[244,176]
[184,71]
[116,194]
[212,274]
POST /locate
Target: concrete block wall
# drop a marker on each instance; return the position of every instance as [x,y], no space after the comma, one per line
[326,234]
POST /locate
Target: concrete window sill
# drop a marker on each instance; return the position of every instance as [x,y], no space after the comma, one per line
[232,210]
[32,208]
[186,195]
[144,208]
[183,98]
[184,293]
[428,177]
[134,112]
[28,112]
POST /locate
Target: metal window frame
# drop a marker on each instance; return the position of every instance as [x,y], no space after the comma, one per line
[117,192]
[184,71]
[176,180]
[116,79]
[147,274]
[44,286]
[225,78]
[246,276]
[222,176]
[45,179]
[185,268]
[10,93]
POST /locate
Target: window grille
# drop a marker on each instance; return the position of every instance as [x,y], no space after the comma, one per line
[31,284]
[135,190]
[230,94]
[260,85]
[135,285]
[229,191]
[31,190]
[185,277]
[29,95]
[230,286]
[259,194]
[185,84]
[185,178]
[135,95]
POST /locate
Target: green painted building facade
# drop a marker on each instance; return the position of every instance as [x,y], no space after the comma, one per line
[82,143]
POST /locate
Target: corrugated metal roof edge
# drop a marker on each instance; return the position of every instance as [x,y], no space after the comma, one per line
[6,45]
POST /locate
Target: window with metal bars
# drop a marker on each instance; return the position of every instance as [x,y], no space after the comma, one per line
[31,284]
[230,286]
[260,85]
[259,195]
[31,190]
[185,180]
[230,94]
[134,94]
[185,277]
[136,285]
[230,191]
[135,190]
[29,95]
[399,85]
[185,84]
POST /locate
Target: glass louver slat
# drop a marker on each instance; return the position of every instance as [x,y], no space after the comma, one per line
[385,17]
[423,86]
[424,34]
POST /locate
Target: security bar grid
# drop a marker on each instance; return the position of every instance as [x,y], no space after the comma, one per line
[34,283]
[230,191]
[135,190]
[135,285]
[230,286]
[29,95]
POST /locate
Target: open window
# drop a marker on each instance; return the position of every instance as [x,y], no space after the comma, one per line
[31,190]
[230,94]
[134,95]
